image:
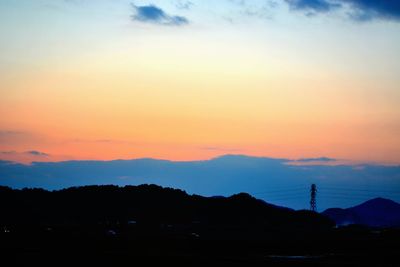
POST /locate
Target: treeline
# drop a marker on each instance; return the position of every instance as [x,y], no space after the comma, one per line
[147,205]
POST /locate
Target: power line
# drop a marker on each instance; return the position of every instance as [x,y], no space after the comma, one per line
[286,198]
[283,196]
[301,193]
[360,189]
[344,197]
[328,189]
[281,190]
[357,194]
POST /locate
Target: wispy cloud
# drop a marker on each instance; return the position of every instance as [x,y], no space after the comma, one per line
[37,153]
[184,4]
[321,161]
[24,156]
[10,152]
[312,6]
[155,15]
[6,133]
[11,136]
[221,149]
[100,141]
[324,159]
[29,156]
[34,153]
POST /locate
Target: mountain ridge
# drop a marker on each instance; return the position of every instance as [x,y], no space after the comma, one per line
[377,212]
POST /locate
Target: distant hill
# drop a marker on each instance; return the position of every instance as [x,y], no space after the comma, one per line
[377,212]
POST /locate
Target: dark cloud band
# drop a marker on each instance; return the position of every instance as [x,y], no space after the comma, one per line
[360,9]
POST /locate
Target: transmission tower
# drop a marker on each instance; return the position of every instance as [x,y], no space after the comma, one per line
[313,200]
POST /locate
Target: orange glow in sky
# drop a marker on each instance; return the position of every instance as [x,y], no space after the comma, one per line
[198,91]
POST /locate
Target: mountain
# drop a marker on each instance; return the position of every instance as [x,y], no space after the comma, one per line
[377,212]
[224,175]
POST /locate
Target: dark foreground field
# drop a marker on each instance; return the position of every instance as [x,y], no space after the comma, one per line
[132,245]
[153,226]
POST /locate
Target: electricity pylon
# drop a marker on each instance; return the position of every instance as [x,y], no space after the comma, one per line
[313,200]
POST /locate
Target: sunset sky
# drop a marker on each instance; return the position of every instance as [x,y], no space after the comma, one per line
[186,80]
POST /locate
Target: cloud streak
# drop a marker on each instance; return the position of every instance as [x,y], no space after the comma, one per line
[323,159]
[184,4]
[221,149]
[24,156]
[37,153]
[7,133]
[155,15]
[34,153]
[16,137]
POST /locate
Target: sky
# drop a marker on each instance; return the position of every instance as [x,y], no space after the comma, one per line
[191,80]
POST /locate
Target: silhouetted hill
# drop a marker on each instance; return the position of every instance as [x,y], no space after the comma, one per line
[378,212]
[147,205]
